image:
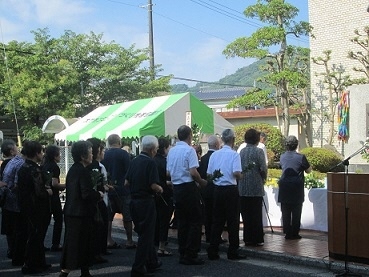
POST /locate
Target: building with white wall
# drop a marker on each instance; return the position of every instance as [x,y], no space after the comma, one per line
[334,23]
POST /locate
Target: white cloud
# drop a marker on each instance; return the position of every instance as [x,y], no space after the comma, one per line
[46,12]
[205,60]
[59,12]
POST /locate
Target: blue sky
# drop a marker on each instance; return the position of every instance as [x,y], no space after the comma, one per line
[189,35]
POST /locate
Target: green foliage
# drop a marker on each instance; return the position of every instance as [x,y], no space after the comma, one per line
[284,73]
[274,142]
[196,134]
[35,133]
[365,152]
[253,97]
[312,180]
[179,88]
[361,39]
[322,159]
[72,75]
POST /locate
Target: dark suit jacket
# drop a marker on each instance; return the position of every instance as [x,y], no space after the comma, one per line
[208,191]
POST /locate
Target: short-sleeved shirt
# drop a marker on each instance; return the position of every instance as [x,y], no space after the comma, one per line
[141,174]
[2,167]
[180,159]
[116,162]
[53,167]
[291,183]
[229,162]
[260,145]
[10,177]
[161,163]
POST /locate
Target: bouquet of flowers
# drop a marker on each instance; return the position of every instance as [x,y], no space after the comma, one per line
[215,176]
[97,179]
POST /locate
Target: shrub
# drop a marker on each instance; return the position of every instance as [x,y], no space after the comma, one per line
[274,141]
[312,180]
[322,159]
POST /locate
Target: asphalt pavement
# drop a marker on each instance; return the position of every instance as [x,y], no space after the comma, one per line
[120,262]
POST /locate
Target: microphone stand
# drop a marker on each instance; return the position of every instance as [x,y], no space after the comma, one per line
[346,163]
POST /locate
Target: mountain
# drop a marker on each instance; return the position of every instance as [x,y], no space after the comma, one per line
[246,76]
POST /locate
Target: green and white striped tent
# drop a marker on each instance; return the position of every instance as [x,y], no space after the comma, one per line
[159,116]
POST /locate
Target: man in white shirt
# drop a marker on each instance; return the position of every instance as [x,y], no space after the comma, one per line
[182,164]
[226,197]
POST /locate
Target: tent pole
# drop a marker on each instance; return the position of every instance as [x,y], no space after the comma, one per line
[66,155]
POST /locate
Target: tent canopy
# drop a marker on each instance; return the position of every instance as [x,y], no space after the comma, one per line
[159,116]
[56,123]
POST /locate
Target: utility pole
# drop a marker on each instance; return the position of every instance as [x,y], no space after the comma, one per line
[151,40]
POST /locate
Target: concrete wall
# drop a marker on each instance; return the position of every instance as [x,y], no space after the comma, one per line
[358,122]
[334,23]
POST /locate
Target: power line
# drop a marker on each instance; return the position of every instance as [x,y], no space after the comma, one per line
[199,81]
[201,31]
[225,13]
[119,2]
[236,17]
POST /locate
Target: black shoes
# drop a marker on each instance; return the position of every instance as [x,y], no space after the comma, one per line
[99,260]
[191,261]
[29,270]
[237,256]
[56,248]
[213,256]
[153,267]
[293,237]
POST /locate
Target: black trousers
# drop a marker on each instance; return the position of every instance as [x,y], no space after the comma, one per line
[34,256]
[163,217]
[208,217]
[291,218]
[189,213]
[143,214]
[226,209]
[251,211]
[57,213]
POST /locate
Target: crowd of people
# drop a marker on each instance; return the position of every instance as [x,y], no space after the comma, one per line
[210,190]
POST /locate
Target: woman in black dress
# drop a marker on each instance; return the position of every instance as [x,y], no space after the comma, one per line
[51,158]
[81,199]
[164,202]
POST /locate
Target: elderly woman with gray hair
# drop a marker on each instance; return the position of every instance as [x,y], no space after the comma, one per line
[291,187]
[251,189]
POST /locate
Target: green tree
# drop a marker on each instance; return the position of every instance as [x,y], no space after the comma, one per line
[179,88]
[71,76]
[278,17]
[361,39]
[107,73]
[335,82]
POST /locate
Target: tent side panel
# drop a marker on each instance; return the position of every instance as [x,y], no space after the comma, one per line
[155,127]
[202,115]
